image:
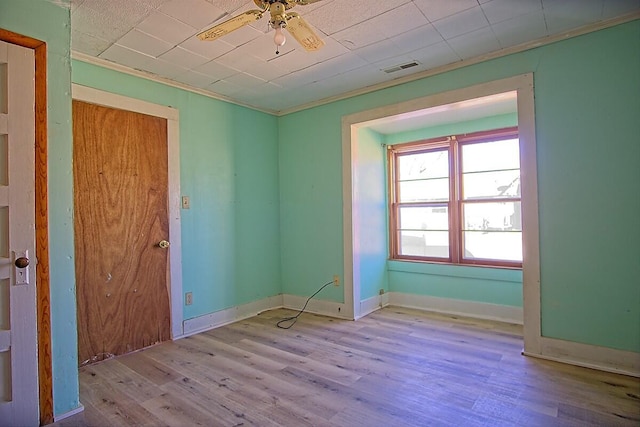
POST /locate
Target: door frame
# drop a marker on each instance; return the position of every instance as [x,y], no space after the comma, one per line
[43,293]
[174,273]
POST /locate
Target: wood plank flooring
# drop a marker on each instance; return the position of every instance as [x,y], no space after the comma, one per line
[395,367]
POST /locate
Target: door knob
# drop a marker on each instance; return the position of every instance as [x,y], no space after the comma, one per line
[22,262]
[163,244]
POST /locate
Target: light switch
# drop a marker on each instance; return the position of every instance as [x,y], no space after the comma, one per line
[186,204]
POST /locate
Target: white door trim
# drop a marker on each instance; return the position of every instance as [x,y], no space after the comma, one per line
[523,85]
[108,99]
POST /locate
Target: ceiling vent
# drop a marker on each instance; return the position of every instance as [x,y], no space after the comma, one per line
[400,67]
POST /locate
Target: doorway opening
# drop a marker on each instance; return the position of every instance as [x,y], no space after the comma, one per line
[465,102]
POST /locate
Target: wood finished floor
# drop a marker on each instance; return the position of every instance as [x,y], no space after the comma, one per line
[395,367]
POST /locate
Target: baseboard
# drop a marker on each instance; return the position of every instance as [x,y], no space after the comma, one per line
[71,413]
[229,315]
[316,306]
[589,356]
[372,304]
[479,310]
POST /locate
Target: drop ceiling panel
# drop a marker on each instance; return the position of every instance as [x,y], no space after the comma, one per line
[144,43]
[435,10]
[361,37]
[501,10]
[520,29]
[340,15]
[164,27]
[462,23]
[196,13]
[475,43]
[88,44]
[128,57]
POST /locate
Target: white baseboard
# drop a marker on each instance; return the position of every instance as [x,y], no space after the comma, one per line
[229,315]
[589,356]
[479,310]
[316,306]
[71,413]
[372,304]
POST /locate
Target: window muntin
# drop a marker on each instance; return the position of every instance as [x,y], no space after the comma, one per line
[457,199]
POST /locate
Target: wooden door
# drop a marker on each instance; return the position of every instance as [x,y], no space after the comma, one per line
[120,216]
[18,333]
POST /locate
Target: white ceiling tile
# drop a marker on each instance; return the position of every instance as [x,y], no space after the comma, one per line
[265,49]
[613,8]
[165,69]
[208,49]
[166,28]
[343,14]
[152,3]
[501,10]
[184,58]
[239,60]
[475,43]
[196,13]
[378,51]
[417,38]
[95,23]
[245,80]
[88,44]
[216,70]
[224,87]
[386,25]
[144,43]
[74,4]
[438,9]
[436,55]
[241,36]
[563,15]
[461,23]
[128,57]
[269,71]
[195,79]
[520,29]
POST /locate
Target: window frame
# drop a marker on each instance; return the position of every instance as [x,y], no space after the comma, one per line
[453,145]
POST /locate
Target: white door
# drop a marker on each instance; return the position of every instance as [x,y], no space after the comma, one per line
[18,333]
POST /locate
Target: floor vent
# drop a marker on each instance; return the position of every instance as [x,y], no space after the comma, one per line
[400,67]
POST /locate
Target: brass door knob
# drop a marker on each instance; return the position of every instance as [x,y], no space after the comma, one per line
[22,262]
[163,244]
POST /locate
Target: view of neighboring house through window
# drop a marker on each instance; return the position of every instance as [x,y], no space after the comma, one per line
[457,199]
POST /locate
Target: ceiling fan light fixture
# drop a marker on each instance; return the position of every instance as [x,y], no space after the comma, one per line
[279,39]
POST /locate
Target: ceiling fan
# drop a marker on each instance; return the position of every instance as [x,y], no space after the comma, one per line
[280,19]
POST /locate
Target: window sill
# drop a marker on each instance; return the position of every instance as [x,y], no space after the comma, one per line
[481,272]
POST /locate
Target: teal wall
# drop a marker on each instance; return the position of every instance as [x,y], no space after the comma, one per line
[51,24]
[587,109]
[229,169]
[266,192]
[371,199]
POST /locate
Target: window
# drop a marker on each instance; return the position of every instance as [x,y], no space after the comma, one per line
[457,199]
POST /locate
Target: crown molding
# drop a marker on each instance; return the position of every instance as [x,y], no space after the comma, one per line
[362,91]
[103,63]
[471,61]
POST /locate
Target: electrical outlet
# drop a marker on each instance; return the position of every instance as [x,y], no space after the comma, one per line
[336,280]
[188,298]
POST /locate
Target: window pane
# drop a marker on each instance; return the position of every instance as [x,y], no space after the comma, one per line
[492,216]
[421,218]
[491,184]
[434,164]
[429,190]
[497,245]
[434,244]
[490,156]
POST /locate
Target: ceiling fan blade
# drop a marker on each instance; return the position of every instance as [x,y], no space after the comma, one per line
[231,25]
[302,32]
